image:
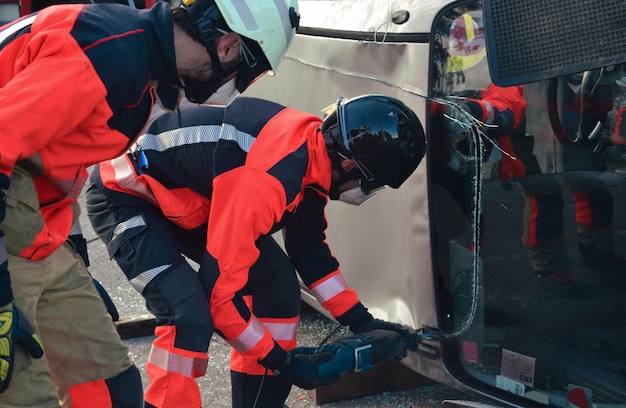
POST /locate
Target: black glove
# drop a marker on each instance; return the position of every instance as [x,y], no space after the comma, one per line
[299,366]
[14,327]
[370,324]
[359,320]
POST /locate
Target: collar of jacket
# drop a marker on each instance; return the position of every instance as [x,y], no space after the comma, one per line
[161,53]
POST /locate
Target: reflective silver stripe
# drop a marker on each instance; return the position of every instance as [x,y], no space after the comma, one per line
[125,177]
[178,137]
[491,114]
[134,222]
[251,24]
[193,135]
[329,288]
[76,229]
[3,251]
[244,140]
[246,15]
[186,366]
[250,337]
[140,281]
[282,331]
[12,29]
[71,188]
[286,20]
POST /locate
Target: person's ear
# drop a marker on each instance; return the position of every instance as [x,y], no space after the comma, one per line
[228,47]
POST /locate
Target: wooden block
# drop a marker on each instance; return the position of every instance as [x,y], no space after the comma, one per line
[384,378]
[135,326]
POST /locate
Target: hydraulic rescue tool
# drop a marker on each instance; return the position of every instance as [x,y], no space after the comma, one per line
[361,352]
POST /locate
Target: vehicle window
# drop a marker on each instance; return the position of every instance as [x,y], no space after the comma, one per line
[528,204]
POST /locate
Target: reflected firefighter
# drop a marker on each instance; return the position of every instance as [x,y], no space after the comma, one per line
[509,155]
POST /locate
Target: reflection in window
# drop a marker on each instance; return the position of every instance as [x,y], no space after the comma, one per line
[528,193]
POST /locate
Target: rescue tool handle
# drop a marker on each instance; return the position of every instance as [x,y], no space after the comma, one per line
[363,351]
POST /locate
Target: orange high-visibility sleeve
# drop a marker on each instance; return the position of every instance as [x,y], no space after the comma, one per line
[246,204]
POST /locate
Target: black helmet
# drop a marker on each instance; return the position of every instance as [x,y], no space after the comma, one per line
[381,134]
[266,28]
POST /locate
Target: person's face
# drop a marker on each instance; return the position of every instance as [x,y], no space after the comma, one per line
[196,70]
[194,62]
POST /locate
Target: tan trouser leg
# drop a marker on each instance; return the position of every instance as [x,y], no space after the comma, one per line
[59,298]
[82,342]
[31,381]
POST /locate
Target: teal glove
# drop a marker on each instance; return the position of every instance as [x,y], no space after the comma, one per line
[14,327]
[301,368]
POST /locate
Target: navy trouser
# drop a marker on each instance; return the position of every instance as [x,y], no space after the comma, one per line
[149,249]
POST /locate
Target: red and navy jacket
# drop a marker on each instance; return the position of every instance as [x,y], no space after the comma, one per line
[505,107]
[247,170]
[76,88]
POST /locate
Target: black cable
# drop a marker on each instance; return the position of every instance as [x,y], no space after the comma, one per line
[325,339]
[258,394]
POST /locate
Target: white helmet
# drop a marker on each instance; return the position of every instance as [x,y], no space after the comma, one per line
[271,23]
[266,27]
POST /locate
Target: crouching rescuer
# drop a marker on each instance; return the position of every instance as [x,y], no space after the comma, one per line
[213,184]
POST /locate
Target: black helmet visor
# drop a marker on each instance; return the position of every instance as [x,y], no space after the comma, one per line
[383,136]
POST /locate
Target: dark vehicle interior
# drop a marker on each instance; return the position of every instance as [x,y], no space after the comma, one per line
[530,263]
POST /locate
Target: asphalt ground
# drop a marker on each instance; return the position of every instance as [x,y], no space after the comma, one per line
[215,385]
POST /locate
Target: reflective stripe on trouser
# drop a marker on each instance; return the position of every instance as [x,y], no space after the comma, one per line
[273,295]
[147,246]
[284,333]
[172,371]
[246,375]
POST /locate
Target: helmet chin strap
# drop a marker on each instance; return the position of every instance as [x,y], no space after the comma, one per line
[200,91]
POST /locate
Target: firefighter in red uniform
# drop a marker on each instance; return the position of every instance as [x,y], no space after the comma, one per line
[77,85]
[504,109]
[213,184]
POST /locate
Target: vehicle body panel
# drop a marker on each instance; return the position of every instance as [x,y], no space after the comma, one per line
[406,248]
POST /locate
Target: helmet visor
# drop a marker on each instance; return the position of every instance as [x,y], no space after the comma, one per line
[384,138]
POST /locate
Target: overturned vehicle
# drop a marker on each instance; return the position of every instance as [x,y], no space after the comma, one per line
[508,243]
